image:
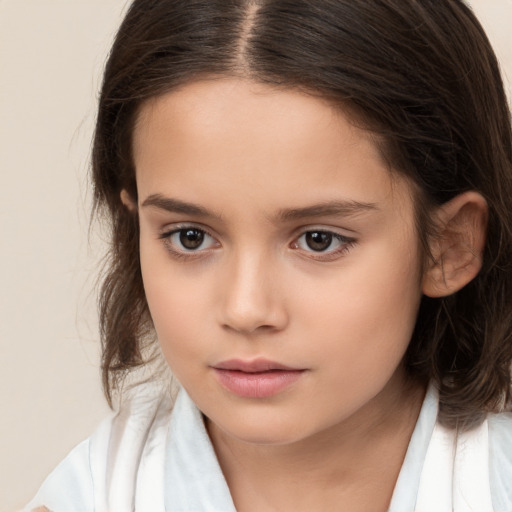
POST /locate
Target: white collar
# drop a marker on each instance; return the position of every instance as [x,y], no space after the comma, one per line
[442,471]
[193,477]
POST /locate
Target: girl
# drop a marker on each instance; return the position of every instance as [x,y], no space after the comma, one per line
[309,203]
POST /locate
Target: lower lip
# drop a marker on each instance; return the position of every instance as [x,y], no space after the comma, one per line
[259,384]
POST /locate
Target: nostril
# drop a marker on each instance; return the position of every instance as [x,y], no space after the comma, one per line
[249,329]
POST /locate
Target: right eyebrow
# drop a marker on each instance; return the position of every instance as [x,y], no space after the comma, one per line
[176,206]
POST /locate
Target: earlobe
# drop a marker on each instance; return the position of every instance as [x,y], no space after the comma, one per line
[128,200]
[457,250]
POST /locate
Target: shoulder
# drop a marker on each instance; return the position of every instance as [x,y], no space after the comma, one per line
[500,459]
[69,486]
[447,469]
[114,459]
[500,433]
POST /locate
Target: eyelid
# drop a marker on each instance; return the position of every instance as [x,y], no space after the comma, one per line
[344,233]
[347,242]
[169,230]
[172,227]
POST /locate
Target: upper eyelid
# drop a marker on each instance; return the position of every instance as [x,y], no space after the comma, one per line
[335,234]
[179,226]
[169,229]
[347,240]
[340,232]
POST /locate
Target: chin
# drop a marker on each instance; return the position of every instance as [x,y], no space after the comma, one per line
[260,432]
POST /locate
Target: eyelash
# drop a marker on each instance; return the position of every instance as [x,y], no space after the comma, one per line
[345,244]
[166,237]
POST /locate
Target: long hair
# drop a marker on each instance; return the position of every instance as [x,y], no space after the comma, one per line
[420,74]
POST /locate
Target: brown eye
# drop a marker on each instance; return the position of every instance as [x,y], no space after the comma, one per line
[323,245]
[318,241]
[191,238]
[188,242]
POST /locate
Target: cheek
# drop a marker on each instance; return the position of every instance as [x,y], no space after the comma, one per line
[177,307]
[368,313]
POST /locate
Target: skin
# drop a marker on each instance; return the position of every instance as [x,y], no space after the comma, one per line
[250,157]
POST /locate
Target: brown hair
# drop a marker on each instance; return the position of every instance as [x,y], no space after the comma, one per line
[420,73]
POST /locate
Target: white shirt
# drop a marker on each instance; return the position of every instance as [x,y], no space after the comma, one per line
[152,457]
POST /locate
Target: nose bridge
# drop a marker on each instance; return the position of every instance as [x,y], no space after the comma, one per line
[251,292]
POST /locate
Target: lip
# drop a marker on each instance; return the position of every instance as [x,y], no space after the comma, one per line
[254,366]
[260,378]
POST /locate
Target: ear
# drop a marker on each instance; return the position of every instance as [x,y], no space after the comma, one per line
[458,249]
[128,201]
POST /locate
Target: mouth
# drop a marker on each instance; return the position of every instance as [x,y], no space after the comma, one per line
[255,366]
[260,378]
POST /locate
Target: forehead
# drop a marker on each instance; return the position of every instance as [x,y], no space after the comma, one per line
[255,141]
[212,108]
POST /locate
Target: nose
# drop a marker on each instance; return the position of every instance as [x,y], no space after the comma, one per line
[252,296]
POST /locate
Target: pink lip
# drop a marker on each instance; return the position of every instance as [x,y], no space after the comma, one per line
[260,378]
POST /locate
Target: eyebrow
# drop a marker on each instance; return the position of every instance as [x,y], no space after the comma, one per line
[177,206]
[325,209]
[329,208]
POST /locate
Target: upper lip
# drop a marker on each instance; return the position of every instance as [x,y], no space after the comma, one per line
[254,366]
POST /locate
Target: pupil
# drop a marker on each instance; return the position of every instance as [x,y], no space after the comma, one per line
[318,241]
[191,238]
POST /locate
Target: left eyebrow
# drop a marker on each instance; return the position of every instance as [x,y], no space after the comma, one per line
[330,208]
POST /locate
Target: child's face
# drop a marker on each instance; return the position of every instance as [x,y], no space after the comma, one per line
[271,230]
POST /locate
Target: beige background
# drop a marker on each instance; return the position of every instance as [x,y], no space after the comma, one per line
[51,56]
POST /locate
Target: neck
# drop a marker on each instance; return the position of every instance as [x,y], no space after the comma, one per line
[357,458]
